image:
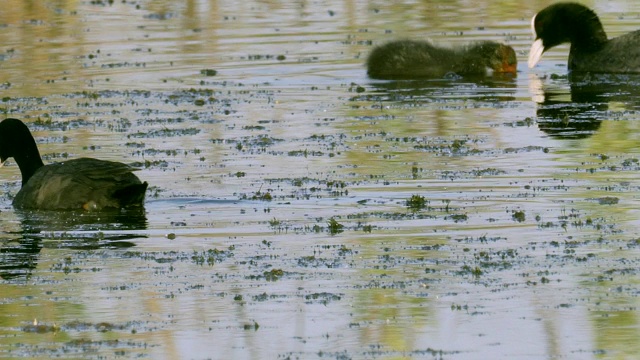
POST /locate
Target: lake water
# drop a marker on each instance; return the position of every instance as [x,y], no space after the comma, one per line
[298,209]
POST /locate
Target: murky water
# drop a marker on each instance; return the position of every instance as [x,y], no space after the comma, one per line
[298,209]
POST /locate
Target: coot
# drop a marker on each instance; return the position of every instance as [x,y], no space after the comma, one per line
[412,59]
[84,183]
[590,50]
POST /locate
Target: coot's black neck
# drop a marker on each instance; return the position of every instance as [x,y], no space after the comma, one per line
[17,142]
[29,162]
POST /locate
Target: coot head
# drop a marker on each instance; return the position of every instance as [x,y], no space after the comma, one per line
[566,23]
[17,142]
[498,57]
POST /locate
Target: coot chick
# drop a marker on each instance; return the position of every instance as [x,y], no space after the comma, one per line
[590,50]
[84,183]
[411,59]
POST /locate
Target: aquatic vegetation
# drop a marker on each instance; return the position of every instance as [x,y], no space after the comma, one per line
[518,216]
[208,72]
[273,274]
[210,257]
[417,202]
[334,226]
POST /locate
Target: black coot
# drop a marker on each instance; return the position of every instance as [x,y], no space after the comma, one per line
[411,59]
[84,183]
[590,51]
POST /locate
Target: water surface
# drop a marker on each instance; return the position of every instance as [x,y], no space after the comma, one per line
[298,209]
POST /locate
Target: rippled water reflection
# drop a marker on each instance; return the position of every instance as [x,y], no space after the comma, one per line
[298,209]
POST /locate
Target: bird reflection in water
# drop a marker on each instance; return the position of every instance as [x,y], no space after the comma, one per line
[81,230]
[578,112]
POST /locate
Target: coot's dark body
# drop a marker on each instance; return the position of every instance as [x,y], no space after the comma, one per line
[409,59]
[590,50]
[84,183]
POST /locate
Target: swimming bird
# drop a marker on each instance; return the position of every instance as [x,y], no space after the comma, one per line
[591,50]
[77,184]
[413,59]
